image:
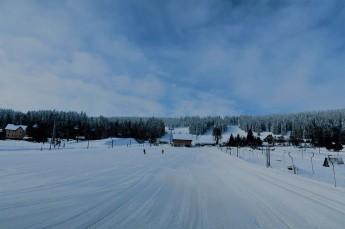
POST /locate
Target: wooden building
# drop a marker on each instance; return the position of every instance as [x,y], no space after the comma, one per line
[181,142]
[15,131]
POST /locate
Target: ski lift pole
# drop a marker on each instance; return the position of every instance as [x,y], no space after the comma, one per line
[335,181]
[268,157]
[302,150]
[312,165]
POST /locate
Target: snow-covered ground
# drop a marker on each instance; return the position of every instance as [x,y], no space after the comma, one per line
[120,187]
[307,164]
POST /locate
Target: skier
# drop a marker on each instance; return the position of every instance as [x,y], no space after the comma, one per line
[162,151]
[144,151]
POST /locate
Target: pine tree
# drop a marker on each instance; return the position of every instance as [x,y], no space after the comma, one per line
[250,138]
[231,141]
[217,134]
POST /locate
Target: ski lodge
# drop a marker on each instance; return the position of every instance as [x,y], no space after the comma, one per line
[178,137]
[181,140]
[15,131]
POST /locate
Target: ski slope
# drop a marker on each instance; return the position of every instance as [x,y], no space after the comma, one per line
[206,138]
[121,187]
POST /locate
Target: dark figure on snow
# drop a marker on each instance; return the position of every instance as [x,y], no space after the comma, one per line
[162,151]
[144,151]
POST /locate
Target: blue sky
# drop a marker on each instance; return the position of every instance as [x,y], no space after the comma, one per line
[172,58]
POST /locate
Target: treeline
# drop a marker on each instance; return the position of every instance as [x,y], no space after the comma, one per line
[69,125]
[250,140]
[322,128]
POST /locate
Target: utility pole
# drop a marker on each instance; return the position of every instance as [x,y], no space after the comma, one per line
[268,157]
[312,165]
[53,137]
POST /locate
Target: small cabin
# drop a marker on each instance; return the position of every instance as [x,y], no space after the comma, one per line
[15,131]
[181,142]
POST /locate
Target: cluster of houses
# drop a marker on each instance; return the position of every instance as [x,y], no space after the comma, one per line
[12,131]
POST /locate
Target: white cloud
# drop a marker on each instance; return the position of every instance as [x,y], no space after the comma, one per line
[86,65]
[41,69]
[190,102]
[221,56]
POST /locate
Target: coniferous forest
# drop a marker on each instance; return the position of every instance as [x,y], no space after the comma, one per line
[323,128]
[69,125]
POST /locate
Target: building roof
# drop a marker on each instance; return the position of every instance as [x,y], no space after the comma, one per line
[15,127]
[187,137]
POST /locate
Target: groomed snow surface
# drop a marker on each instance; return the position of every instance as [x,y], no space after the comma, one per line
[120,187]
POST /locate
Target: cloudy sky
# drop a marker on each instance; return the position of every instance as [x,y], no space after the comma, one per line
[172,58]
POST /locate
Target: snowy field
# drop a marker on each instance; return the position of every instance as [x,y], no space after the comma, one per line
[309,162]
[120,187]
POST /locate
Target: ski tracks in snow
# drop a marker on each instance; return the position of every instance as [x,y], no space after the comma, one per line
[184,188]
